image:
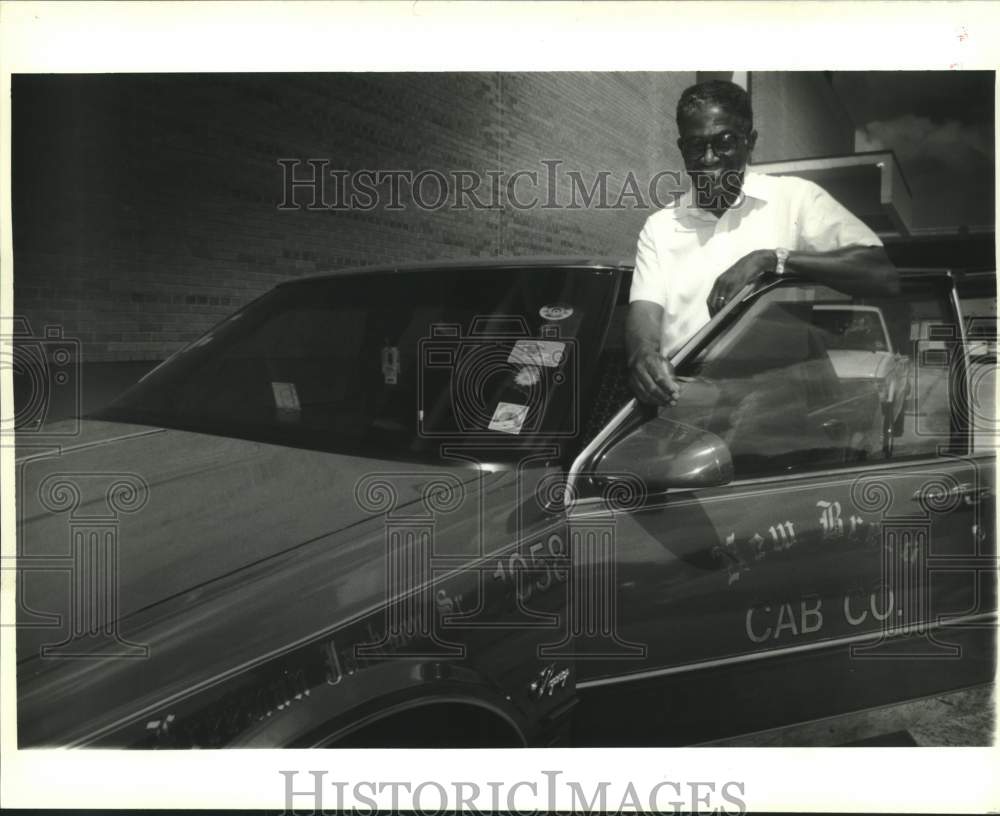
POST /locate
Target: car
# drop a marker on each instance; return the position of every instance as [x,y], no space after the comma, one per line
[417,506]
[859,345]
[982,335]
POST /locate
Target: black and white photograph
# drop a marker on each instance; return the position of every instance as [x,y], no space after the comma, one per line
[499,409]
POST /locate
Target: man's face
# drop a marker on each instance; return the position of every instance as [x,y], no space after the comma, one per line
[716,147]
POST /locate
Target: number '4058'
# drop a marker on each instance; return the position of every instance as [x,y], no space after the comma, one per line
[540,562]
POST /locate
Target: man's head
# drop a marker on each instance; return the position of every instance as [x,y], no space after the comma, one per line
[715,123]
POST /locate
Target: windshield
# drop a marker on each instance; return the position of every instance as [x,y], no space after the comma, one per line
[388,363]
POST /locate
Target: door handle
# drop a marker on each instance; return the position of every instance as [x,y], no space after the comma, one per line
[970,493]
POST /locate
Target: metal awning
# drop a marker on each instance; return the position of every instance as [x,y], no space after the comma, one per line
[871,185]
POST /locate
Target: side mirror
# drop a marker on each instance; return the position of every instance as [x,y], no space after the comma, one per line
[665,453]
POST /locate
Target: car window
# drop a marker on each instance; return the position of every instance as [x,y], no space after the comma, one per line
[389,364]
[810,378]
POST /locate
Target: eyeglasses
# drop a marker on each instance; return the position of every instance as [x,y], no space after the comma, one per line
[723,144]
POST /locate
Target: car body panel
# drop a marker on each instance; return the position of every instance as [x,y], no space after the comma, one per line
[231,521]
[198,644]
[716,579]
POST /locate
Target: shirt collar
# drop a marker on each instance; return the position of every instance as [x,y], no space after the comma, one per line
[755,186]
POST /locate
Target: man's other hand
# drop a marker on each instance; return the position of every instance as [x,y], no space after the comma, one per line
[746,270]
[652,379]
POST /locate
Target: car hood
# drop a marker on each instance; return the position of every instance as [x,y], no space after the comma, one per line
[851,365]
[170,511]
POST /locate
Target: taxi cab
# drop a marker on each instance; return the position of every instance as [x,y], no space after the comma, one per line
[417,506]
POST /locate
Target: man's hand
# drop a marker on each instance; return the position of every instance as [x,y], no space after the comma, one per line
[652,379]
[650,376]
[744,271]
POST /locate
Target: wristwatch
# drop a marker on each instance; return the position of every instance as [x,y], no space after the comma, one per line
[782,255]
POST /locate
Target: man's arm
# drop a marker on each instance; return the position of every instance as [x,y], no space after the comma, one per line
[650,376]
[854,270]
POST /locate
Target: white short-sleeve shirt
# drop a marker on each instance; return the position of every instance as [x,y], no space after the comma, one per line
[682,250]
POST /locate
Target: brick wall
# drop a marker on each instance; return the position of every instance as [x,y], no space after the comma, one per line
[798,115]
[146,207]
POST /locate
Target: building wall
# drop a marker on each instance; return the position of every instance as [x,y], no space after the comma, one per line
[798,115]
[146,207]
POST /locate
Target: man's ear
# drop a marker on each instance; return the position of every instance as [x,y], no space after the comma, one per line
[751,141]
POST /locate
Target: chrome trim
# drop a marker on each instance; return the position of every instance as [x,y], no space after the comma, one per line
[58,450]
[969,432]
[754,656]
[574,470]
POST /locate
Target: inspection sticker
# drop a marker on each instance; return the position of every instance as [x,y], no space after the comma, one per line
[508,417]
[548,353]
[286,398]
[527,376]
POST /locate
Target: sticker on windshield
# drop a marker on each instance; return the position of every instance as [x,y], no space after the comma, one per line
[548,353]
[286,398]
[390,364]
[508,417]
[556,311]
[528,376]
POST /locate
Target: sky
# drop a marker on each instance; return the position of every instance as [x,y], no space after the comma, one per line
[940,125]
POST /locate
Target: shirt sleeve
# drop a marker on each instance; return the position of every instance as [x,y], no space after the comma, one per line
[826,224]
[648,281]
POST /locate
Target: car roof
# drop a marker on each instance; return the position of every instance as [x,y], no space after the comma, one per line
[499,264]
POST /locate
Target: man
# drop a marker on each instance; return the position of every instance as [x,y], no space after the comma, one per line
[729,230]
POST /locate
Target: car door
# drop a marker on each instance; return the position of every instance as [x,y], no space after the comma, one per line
[766,557]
